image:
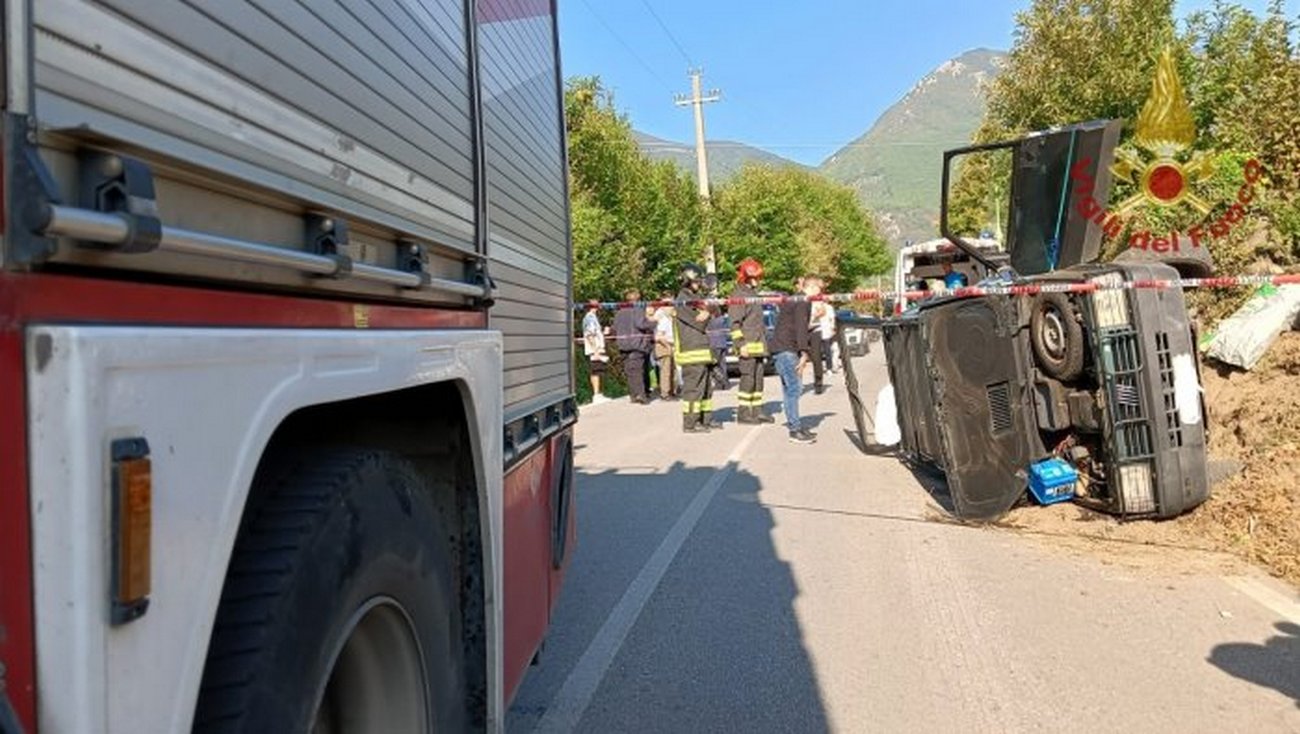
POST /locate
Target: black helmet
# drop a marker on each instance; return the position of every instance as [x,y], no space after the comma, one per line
[691,274]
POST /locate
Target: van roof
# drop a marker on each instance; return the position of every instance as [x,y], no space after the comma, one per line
[942,245]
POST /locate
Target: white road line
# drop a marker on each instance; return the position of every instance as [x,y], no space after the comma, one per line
[1267,596]
[570,703]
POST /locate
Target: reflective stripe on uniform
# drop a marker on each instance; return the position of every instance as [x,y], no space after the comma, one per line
[694,356]
[706,406]
[753,349]
[749,398]
[689,356]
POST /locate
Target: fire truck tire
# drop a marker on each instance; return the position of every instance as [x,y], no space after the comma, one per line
[1057,336]
[340,610]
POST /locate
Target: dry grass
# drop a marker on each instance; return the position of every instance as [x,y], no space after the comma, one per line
[1255,419]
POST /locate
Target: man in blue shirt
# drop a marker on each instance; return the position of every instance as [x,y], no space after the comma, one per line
[952,279]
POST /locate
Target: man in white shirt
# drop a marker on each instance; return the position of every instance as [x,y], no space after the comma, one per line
[664,352]
[593,346]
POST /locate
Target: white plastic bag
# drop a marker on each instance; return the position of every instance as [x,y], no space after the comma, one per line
[887,431]
[1243,338]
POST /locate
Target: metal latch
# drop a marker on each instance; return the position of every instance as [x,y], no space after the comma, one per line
[116,184]
[413,257]
[328,235]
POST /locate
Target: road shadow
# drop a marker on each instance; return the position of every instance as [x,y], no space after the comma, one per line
[935,484]
[814,421]
[726,415]
[717,645]
[869,447]
[1275,664]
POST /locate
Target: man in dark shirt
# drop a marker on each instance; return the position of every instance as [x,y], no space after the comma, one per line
[635,334]
[790,346]
[718,343]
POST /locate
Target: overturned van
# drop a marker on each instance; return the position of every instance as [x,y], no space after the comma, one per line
[1102,378]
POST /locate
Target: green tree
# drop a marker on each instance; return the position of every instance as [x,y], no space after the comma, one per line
[634,220]
[1085,59]
[1071,60]
[795,222]
[1245,91]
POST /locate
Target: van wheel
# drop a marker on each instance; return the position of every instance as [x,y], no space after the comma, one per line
[1057,336]
[339,612]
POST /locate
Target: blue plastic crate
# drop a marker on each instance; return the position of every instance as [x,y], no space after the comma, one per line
[1052,481]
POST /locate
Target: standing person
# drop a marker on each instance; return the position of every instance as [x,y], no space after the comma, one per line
[952,280]
[826,326]
[790,345]
[664,318]
[692,352]
[635,334]
[816,309]
[718,345]
[593,346]
[750,335]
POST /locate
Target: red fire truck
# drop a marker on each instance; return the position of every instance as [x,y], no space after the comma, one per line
[286,390]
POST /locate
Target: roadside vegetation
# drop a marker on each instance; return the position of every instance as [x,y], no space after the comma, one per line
[635,221]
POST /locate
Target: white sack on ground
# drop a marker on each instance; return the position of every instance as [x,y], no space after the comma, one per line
[1243,338]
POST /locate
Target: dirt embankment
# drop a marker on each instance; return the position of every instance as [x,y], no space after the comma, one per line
[1254,513]
[1255,419]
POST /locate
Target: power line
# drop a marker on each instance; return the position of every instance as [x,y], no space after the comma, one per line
[626,47]
[668,33]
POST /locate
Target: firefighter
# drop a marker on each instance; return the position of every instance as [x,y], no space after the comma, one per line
[749,334]
[691,351]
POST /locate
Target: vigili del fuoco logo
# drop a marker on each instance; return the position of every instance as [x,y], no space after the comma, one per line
[1159,160]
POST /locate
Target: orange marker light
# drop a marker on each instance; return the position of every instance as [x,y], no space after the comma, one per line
[132,528]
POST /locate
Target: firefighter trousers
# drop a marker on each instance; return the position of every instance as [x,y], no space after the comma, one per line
[697,390]
[750,392]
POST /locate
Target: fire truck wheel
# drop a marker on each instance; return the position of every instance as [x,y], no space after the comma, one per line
[339,612]
[1057,336]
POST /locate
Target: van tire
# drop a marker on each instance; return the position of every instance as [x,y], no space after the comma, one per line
[338,536]
[1057,336]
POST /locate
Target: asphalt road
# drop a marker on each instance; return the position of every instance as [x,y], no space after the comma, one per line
[738,582]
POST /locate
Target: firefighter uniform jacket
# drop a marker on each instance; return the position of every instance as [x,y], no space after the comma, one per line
[690,332]
[748,331]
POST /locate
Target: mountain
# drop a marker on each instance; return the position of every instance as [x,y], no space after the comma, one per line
[725,156]
[895,167]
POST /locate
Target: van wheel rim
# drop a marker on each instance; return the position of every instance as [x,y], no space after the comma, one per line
[376,681]
[1053,334]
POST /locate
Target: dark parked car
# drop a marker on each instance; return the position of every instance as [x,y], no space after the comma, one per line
[857,339]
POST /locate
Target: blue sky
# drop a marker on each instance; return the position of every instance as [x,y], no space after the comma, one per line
[798,77]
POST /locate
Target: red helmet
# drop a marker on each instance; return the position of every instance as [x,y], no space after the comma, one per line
[749,269]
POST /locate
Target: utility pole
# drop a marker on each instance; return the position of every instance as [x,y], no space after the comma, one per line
[697,99]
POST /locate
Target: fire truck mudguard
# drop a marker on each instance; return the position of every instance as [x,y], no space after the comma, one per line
[259,394]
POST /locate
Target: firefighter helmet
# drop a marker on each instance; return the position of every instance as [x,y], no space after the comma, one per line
[691,274]
[749,269]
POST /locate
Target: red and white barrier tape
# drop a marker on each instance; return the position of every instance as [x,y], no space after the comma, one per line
[1231,281]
